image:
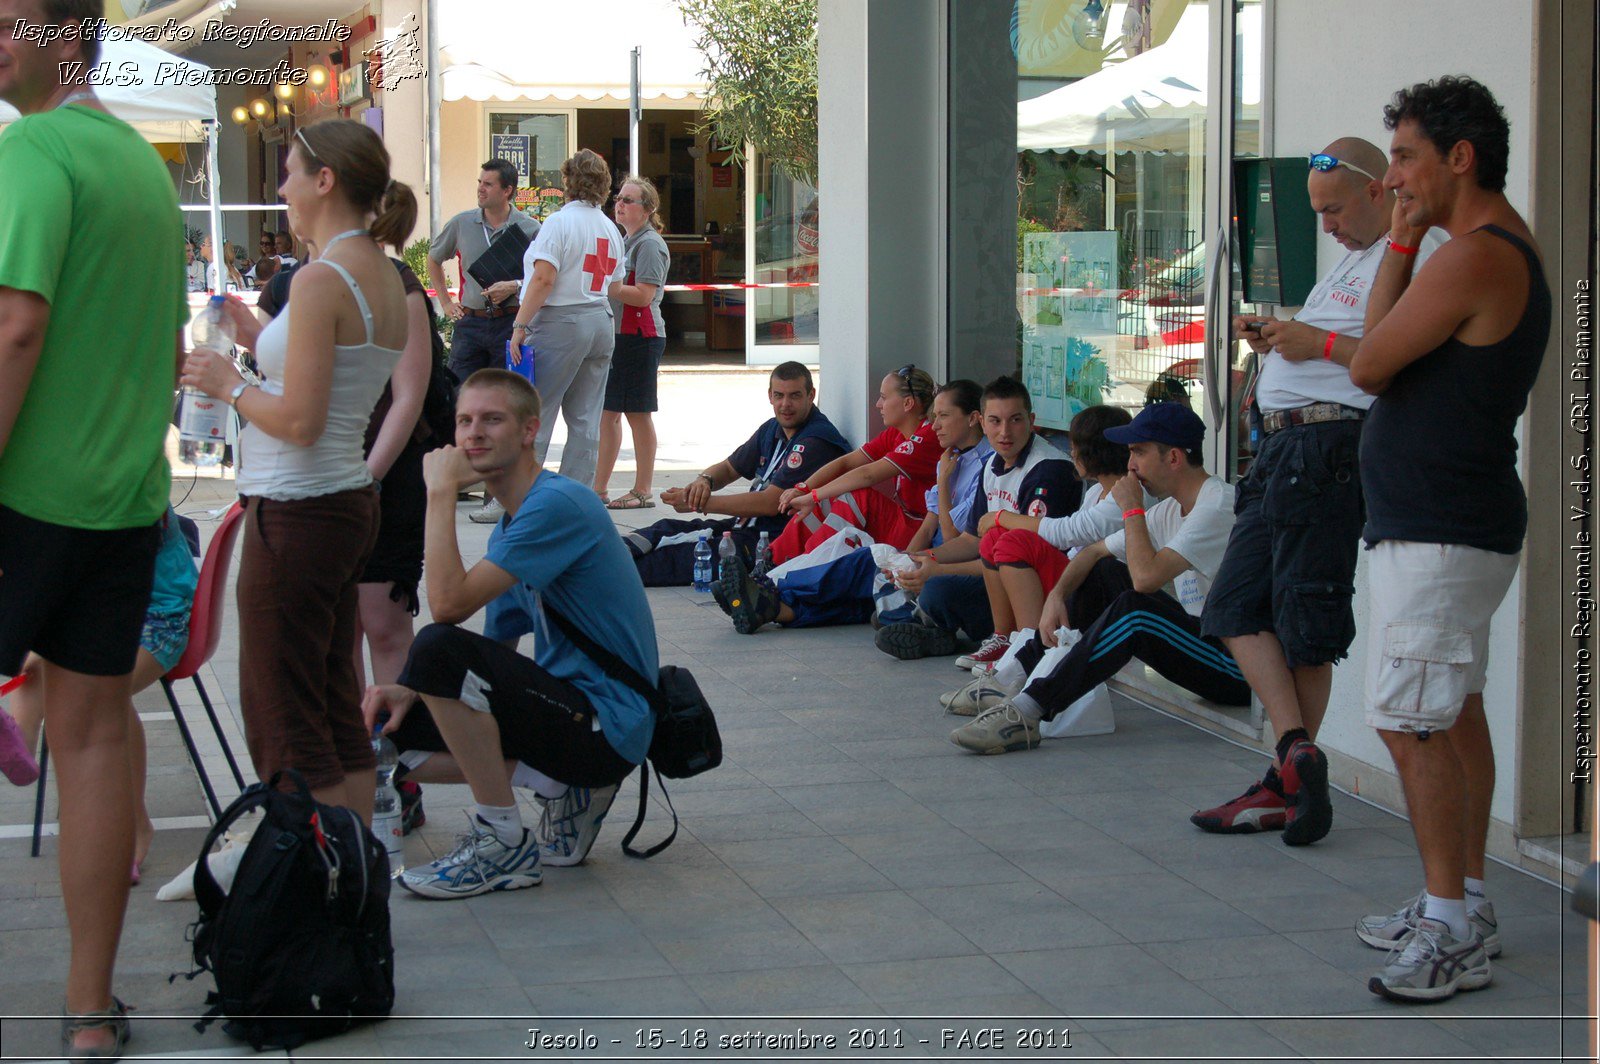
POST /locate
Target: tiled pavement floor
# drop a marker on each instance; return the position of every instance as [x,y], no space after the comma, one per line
[847,861]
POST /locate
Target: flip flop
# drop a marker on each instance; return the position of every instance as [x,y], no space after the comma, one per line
[634,500]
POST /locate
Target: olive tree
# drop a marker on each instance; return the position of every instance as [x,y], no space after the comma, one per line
[761,73]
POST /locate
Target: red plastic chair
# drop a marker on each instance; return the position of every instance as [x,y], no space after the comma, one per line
[205,631]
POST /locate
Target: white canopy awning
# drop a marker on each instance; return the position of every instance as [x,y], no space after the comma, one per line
[162,95]
[1148,101]
[492,51]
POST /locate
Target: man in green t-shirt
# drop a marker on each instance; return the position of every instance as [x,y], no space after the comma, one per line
[91,312]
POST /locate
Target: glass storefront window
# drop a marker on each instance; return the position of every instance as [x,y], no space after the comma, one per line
[537,145]
[1091,118]
[1110,175]
[783,251]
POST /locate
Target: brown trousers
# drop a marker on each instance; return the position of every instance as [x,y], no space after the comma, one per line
[297,618]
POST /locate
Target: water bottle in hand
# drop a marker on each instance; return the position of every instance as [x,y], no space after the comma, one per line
[386,818]
[203,421]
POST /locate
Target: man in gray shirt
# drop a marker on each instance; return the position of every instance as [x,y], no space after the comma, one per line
[483,318]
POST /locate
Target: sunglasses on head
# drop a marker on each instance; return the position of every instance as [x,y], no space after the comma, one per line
[1322,162]
[311,154]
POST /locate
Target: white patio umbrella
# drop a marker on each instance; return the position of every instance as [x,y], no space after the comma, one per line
[1146,102]
[168,99]
[163,95]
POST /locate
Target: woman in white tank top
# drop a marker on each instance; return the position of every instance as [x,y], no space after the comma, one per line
[311,509]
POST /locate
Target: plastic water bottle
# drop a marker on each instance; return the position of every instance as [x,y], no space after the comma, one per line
[727,550]
[386,803]
[702,563]
[203,421]
[763,556]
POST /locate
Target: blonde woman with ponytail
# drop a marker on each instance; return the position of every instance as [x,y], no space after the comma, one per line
[311,507]
[640,341]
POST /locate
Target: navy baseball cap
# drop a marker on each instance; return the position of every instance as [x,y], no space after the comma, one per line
[1173,424]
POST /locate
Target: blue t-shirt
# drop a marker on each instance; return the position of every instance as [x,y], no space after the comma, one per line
[772,460]
[561,545]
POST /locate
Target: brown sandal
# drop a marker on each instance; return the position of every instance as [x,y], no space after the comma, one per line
[634,500]
[76,1023]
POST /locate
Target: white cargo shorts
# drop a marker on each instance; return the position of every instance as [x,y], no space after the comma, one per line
[1428,633]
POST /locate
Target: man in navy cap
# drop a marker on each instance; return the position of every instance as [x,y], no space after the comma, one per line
[1115,593]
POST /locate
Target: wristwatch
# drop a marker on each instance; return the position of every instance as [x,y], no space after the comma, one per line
[233,396]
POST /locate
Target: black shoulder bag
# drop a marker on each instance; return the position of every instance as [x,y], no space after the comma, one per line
[685,743]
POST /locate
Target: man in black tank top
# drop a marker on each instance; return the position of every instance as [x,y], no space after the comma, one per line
[1451,354]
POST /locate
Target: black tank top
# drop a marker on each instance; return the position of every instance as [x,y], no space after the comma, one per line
[1439,449]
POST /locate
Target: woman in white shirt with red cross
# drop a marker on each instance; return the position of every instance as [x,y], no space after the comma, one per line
[566,315]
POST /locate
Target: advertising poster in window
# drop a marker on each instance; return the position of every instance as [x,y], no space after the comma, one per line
[1069,321]
[516,149]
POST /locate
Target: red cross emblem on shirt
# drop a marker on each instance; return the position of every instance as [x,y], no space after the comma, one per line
[599,264]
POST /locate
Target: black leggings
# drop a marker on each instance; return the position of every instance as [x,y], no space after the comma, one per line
[1129,624]
[544,721]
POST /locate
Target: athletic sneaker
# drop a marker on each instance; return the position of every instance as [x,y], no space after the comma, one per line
[1258,809]
[998,730]
[977,696]
[909,641]
[1433,965]
[16,760]
[1393,930]
[479,864]
[752,601]
[487,514]
[571,823]
[989,651]
[411,815]
[1305,784]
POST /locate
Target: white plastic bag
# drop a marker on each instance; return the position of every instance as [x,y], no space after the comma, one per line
[224,863]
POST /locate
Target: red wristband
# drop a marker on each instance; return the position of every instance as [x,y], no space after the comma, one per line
[1327,347]
[1401,249]
[1135,512]
[814,500]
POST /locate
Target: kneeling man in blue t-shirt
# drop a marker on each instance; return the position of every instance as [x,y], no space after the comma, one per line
[469,708]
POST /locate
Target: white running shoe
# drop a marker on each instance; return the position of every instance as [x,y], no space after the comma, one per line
[479,864]
[571,823]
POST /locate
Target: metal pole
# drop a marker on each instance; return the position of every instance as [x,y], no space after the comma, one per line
[219,269]
[634,112]
[432,118]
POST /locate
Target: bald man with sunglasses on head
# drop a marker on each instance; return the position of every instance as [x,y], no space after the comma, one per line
[1282,597]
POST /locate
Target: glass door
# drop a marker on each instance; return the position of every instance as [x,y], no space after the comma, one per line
[781,244]
[1243,43]
[537,144]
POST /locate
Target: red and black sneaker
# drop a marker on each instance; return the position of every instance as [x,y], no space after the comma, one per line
[1305,782]
[1261,808]
[411,815]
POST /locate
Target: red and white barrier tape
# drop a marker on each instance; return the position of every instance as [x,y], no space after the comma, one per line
[729,286]
[733,286]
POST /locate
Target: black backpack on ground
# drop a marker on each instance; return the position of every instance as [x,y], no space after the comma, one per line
[685,741]
[300,944]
